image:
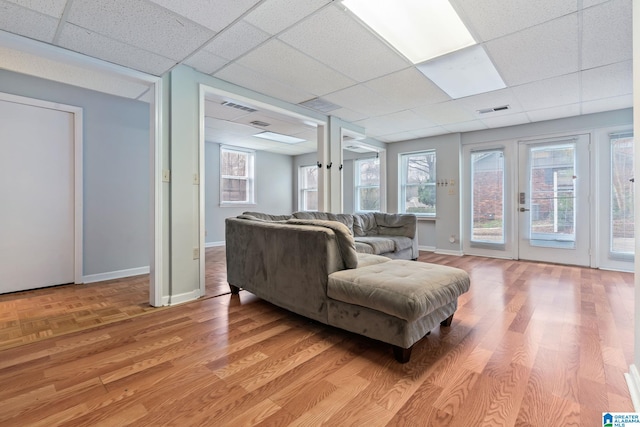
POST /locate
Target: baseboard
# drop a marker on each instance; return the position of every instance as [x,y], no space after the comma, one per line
[448,252]
[181,298]
[427,248]
[633,382]
[100,277]
[213,244]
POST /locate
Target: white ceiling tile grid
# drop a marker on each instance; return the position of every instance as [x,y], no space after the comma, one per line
[558,58]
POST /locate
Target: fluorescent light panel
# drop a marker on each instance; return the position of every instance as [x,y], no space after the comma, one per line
[419,29]
[278,137]
[463,73]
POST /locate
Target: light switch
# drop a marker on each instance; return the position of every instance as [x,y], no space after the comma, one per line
[166,175]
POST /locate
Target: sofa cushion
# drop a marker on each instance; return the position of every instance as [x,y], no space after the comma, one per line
[364,224]
[363,248]
[345,219]
[379,245]
[396,224]
[264,216]
[405,289]
[401,243]
[346,244]
[365,259]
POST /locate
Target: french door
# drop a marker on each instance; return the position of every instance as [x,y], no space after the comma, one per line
[553,201]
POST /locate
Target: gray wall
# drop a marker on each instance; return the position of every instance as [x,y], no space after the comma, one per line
[274,182]
[116,171]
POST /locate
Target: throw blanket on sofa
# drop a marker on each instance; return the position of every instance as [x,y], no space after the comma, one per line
[346,244]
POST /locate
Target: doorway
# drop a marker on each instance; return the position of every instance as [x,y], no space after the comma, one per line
[41,190]
[553,200]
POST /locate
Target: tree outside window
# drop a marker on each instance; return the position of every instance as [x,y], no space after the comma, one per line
[236,176]
[418,183]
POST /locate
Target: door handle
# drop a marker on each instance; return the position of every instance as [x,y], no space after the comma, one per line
[524,209]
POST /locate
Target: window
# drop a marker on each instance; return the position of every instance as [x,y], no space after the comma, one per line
[308,188]
[367,183]
[621,206]
[236,176]
[418,183]
[487,197]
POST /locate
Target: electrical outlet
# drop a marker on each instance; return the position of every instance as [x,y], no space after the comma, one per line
[196,253]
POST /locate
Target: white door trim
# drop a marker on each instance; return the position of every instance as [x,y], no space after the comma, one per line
[77,173]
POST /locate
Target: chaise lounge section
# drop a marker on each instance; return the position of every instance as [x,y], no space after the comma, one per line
[311,267]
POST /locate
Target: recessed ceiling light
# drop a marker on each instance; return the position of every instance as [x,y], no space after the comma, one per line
[463,73]
[419,29]
[278,137]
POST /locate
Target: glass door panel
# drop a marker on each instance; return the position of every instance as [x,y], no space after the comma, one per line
[554,201]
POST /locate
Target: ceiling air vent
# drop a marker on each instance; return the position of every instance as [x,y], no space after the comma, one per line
[494,109]
[320,105]
[239,106]
[259,123]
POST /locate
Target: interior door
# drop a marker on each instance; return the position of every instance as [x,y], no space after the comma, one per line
[36,197]
[553,202]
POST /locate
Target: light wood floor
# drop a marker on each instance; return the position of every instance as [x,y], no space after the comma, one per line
[531,345]
[50,312]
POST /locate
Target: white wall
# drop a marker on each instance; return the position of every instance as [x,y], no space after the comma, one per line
[116,171]
[274,183]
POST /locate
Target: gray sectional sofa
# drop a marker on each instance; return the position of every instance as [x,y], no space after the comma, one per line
[391,235]
[311,267]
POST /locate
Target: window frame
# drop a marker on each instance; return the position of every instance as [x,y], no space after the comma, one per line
[403,160]
[357,183]
[249,177]
[303,189]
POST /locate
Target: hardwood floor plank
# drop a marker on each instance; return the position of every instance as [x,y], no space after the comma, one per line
[530,343]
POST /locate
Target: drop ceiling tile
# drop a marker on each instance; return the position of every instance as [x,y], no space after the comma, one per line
[407,136]
[283,63]
[362,99]
[549,93]
[93,44]
[432,131]
[471,126]
[408,88]
[140,24]
[92,79]
[510,120]
[213,16]
[274,16]
[323,36]
[552,113]
[375,126]
[406,120]
[236,40]
[206,62]
[348,115]
[491,19]
[445,113]
[607,81]
[255,81]
[589,3]
[544,51]
[25,22]
[53,8]
[607,104]
[496,98]
[606,34]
